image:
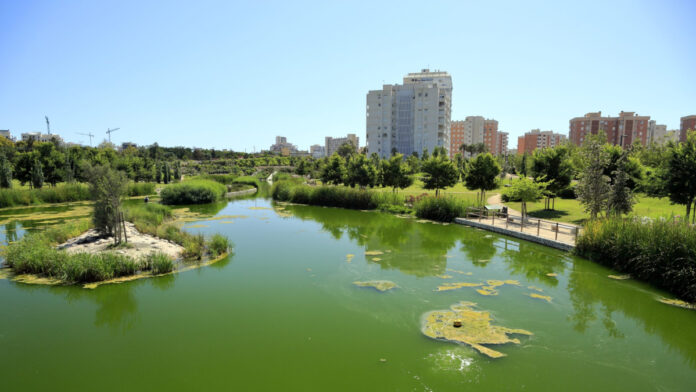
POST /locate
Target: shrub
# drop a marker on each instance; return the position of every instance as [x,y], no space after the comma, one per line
[333,196]
[140,189]
[218,245]
[248,180]
[158,263]
[660,252]
[194,246]
[193,192]
[441,209]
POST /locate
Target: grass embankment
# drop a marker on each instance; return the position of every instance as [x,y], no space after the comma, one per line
[659,251]
[193,192]
[335,196]
[61,193]
[36,253]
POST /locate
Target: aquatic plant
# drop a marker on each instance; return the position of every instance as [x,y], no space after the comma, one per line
[334,196]
[441,209]
[193,192]
[218,244]
[60,193]
[659,252]
[380,285]
[158,263]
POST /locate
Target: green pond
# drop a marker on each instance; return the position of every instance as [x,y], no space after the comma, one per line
[282,313]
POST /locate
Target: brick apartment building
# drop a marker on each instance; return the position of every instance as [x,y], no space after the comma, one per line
[687,123]
[534,139]
[623,130]
[475,130]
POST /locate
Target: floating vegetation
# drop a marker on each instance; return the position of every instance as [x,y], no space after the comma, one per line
[263,218]
[539,296]
[454,270]
[512,282]
[482,261]
[195,226]
[226,222]
[619,277]
[373,253]
[678,303]
[260,208]
[376,259]
[487,290]
[552,274]
[381,285]
[444,276]
[535,289]
[36,279]
[4,273]
[349,257]
[456,285]
[475,330]
[495,283]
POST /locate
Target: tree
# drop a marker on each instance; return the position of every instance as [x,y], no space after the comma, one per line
[631,165]
[334,171]
[425,155]
[413,163]
[68,170]
[593,187]
[360,171]
[5,172]
[395,173]
[440,173]
[552,165]
[37,177]
[481,174]
[107,186]
[302,168]
[347,149]
[525,190]
[177,171]
[680,176]
[166,173]
[621,197]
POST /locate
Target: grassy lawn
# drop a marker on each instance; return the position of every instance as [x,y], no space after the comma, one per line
[458,191]
[572,211]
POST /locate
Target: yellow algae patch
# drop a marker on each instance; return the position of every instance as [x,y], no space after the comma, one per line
[456,285]
[376,259]
[512,282]
[468,273]
[226,222]
[535,288]
[619,277]
[4,273]
[373,252]
[36,279]
[260,208]
[475,330]
[195,226]
[495,283]
[349,257]
[487,290]
[388,251]
[552,274]
[444,276]
[454,270]
[381,285]
[539,296]
[678,302]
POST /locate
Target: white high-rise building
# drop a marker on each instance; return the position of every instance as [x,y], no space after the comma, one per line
[410,117]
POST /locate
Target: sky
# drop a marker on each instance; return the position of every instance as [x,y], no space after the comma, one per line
[234,74]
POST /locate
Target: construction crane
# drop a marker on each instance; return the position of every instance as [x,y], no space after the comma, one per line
[48,125]
[90,137]
[108,132]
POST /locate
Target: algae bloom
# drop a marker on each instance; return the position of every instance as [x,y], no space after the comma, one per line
[619,277]
[456,285]
[539,296]
[381,285]
[678,302]
[475,331]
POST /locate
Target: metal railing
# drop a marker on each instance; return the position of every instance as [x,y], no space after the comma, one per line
[555,228]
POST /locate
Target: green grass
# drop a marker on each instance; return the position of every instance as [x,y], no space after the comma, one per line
[193,192]
[442,209]
[248,180]
[61,193]
[570,210]
[657,251]
[218,245]
[147,217]
[159,263]
[140,189]
[458,191]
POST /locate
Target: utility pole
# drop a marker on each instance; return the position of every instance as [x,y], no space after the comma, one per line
[108,132]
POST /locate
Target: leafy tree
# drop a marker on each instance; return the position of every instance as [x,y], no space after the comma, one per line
[360,171]
[425,155]
[440,173]
[395,173]
[302,168]
[631,165]
[552,165]
[413,164]
[107,186]
[334,171]
[593,187]
[37,177]
[525,190]
[347,149]
[5,172]
[481,174]
[621,198]
[681,174]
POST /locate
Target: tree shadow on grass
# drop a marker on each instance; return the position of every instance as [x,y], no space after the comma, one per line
[554,215]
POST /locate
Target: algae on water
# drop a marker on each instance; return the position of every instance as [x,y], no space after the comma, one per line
[539,296]
[475,330]
[619,277]
[456,285]
[381,285]
[678,303]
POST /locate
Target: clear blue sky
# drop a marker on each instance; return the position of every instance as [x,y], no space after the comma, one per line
[236,74]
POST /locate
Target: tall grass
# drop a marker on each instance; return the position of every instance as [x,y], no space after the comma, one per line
[193,192]
[59,194]
[140,189]
[225,179]
[333,196]
[158,263]
[660,252]
[441,209]
[147,217]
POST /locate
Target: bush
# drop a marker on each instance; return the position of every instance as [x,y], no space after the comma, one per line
[218,245]
[194,246]
[159,263]
[660,252]
[193,192]
[248,180]
[334,196]
[140,189]
[441,209]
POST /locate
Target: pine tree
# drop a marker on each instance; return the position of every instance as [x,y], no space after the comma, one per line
[621,198]
[5,172]
[177,170]
[593,187]
[37,176]
[158,172]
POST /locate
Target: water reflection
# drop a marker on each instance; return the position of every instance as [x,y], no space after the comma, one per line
[532,261]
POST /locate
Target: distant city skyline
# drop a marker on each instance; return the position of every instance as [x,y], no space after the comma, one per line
[234,74]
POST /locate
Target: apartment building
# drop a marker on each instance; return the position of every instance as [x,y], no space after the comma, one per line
[40,137]
[474,130]
[5,133]
[332,144]
[282,146]
[502,144]
[687,123]
[623,130]
[408,117]
[536,138]
[317,151]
